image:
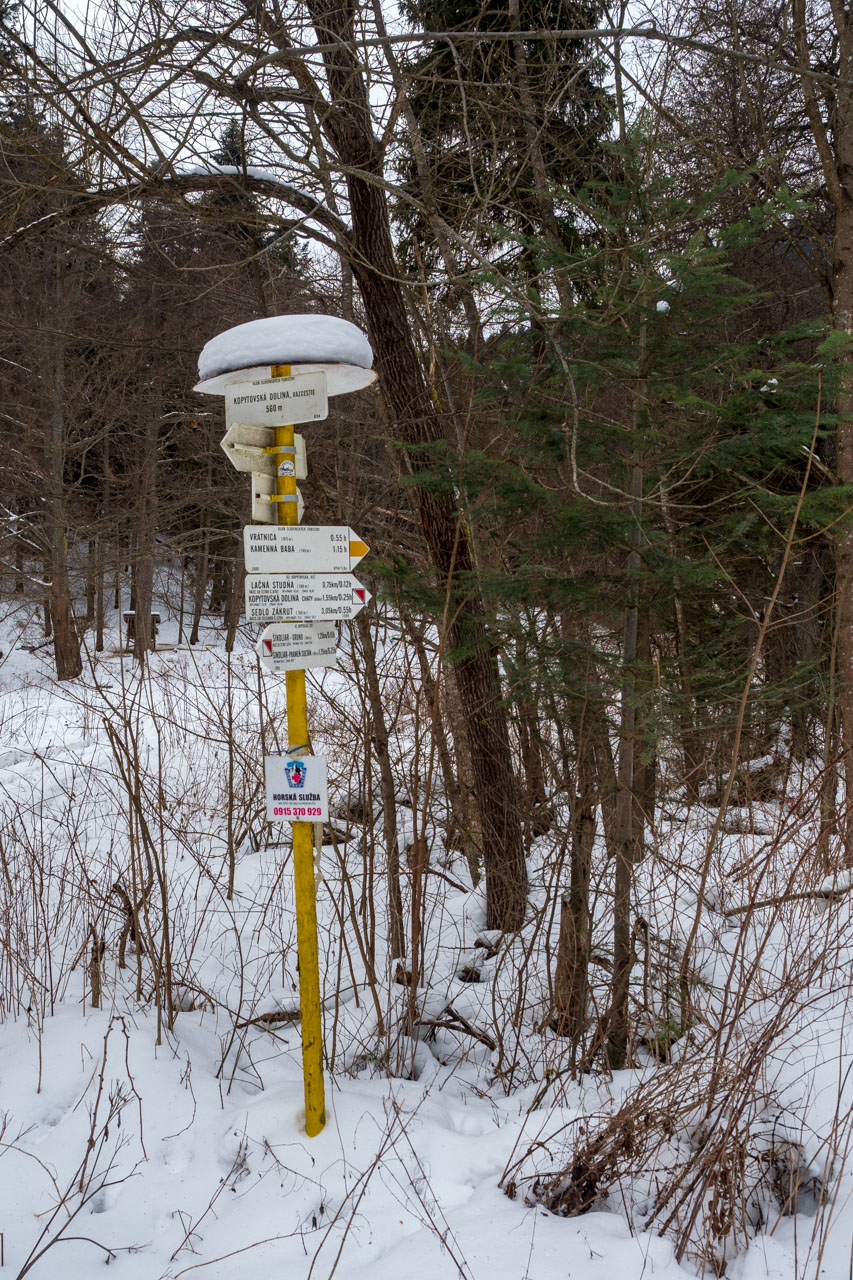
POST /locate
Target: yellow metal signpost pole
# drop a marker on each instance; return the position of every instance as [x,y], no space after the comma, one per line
[303,832]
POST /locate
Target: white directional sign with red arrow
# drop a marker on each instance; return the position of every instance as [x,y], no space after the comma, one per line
[292,646]
[302,548]
[303,597]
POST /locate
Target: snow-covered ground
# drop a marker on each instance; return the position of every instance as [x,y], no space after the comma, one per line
[176,1151]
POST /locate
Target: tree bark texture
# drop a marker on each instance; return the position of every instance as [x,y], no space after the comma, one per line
[628,850]
[571,978]
[143,567]
[834,145]
[200,586]
[645,754]
[66,642]
[623,945]
[843,319]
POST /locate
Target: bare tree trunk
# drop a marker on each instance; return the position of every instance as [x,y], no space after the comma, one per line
[379,737]
[458,785]
[534,795]
[693,752]
[91,576]
[235,603]
[103,543]
[645,755]
[829,778]
[200,587]
[828,789]
[100,587]
[371,252]
[202,564]
[623,947]
[182,601]
[537,819]
[66,643]
[843,316]
[834,145]
[571,978]
[594,729]
[618,1038]
[143,565]
[19,563]
[220,585]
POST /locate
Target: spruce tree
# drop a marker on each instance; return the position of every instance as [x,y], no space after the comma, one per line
[507,129]
[663,443]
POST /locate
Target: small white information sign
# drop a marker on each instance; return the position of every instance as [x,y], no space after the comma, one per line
[296,787]
[303,597]
[295,646]
[305,548]
[276,402]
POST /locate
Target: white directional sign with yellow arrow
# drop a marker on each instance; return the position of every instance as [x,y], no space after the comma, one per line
[302,548]
[301,597]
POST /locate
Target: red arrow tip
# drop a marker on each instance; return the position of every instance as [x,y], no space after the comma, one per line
[360,592]
[268,646]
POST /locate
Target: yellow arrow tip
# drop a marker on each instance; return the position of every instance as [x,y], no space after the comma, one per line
[358,548]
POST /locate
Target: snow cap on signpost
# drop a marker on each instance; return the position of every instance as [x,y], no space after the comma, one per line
[308,343]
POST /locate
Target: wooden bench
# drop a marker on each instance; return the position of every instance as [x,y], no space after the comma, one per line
[130,621]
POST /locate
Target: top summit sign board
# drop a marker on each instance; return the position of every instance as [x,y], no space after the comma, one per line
[276,402]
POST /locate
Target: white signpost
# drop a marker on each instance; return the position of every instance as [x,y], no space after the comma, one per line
[244,444]
[294,645]
[300,597]
[274,402]
[296,788]
[305,548]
